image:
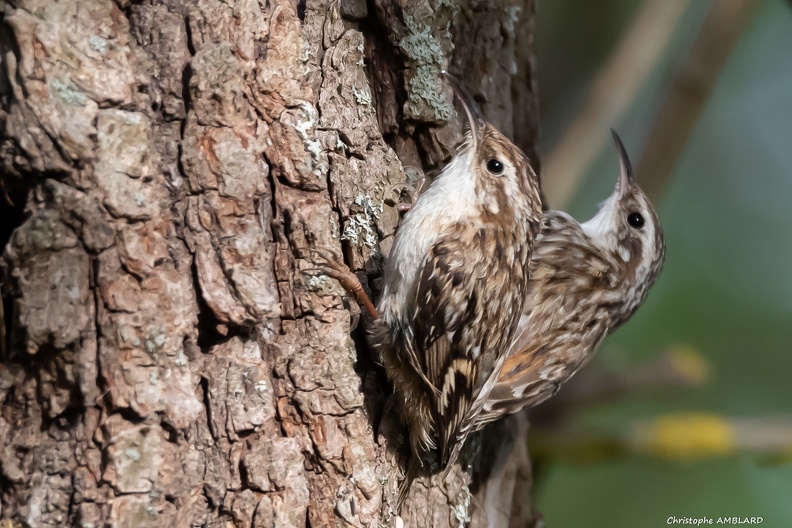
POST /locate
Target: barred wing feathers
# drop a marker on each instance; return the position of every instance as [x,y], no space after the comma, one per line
[465,315]
[560,323]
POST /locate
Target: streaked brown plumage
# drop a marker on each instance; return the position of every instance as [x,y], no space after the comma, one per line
[585,281]
[454,286]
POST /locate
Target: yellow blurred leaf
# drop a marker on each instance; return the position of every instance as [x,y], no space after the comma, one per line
[685,436]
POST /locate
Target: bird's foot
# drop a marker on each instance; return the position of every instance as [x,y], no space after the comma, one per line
[328,262]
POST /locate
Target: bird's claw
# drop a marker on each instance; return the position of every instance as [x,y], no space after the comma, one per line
[333,266]
[331,263]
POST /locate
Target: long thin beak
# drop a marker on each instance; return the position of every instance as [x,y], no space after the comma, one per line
[474,115]
[625,168]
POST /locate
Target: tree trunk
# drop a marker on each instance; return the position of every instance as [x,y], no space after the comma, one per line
[165,165]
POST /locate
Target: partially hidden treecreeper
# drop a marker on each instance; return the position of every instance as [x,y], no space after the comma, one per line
[586,280]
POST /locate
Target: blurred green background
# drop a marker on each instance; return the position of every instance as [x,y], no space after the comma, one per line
[725,293]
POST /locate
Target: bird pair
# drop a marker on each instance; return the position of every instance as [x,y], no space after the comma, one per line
[490,305]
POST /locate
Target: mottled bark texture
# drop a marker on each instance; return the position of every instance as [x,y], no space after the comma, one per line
[165,165]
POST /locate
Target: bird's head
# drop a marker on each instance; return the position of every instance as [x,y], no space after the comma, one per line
[503,173]
[628,226]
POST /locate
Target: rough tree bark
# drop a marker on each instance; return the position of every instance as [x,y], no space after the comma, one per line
[165,163]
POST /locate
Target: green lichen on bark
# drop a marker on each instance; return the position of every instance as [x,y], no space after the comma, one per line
[425,41]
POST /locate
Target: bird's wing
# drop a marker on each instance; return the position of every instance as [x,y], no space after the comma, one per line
[445,298]
[556,336]
[529,376]
[462,324]
[555,333]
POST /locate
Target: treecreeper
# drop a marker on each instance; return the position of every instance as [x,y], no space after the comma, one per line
[586,280]
[454,286]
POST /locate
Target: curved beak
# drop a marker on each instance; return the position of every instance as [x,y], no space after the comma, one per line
[474,115]
[626,179]
[603,222]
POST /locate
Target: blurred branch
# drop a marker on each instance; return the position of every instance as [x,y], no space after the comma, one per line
[680,367]
[677,436]
[689,90]
[688,436]
[615,87]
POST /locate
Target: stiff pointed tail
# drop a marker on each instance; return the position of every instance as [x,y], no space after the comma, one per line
[413,468]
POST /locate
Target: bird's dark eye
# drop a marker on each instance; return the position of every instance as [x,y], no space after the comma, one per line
[635,220]
[494,166]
